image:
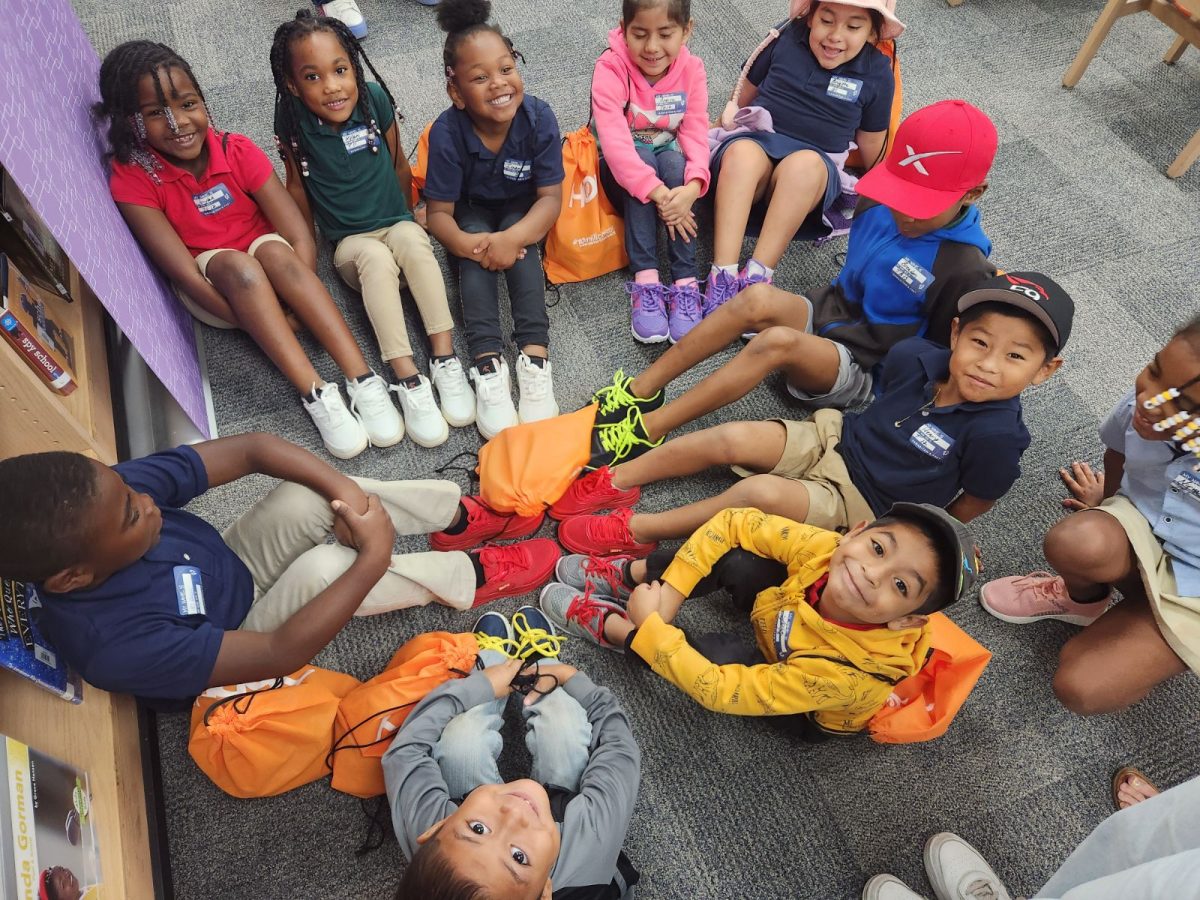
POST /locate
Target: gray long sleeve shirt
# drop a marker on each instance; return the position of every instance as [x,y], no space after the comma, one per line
[595,820]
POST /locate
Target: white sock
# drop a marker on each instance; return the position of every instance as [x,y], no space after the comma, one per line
[728,270]
[754,266]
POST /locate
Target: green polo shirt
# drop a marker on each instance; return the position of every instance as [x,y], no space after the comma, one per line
[350,189]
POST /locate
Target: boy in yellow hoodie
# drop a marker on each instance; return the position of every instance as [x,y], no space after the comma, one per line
[838,619]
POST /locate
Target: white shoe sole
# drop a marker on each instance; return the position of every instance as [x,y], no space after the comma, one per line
[458,423]
[436,442]
[653,339]
[1028,620]
[487,436]
[391,443]
[348,454]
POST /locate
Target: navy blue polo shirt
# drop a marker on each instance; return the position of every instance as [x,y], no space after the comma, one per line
[154,628]
[896,450]
[822,106]
[462,168]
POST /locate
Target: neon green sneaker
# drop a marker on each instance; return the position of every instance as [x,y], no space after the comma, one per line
[535,635]
[620,441]
[614,399]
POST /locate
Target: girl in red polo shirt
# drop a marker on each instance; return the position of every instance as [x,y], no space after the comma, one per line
[210,212]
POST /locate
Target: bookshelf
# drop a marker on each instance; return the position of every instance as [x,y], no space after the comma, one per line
[100,735]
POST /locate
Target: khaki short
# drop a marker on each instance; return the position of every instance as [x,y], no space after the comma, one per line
[1178,617]
[810,456]
[199,312]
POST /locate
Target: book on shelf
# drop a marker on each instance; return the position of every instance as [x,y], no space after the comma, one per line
[51,267]
[48,846]
[40,325]
[25,651]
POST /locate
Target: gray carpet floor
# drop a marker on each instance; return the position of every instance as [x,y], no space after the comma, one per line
[729,807]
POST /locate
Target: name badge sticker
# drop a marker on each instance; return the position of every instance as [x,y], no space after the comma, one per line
[189,591]
[1188,483]
[783,630]
[912,275]
[932,441]
[843,88]
[672,103]
[355,139]
[518,169]
[212,201]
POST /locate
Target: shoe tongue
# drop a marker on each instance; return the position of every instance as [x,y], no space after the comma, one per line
[976,886]
[489,365]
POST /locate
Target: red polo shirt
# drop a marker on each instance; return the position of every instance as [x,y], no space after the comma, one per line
[212,213]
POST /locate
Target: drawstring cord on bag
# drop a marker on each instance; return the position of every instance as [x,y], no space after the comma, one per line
[233,699]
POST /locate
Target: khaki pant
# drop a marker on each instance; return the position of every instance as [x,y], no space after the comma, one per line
[373,264]
[199,312]
[281,539]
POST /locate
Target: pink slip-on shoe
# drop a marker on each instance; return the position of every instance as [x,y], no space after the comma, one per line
[1022,599]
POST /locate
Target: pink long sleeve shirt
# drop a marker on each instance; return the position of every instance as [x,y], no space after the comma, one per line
[675,106]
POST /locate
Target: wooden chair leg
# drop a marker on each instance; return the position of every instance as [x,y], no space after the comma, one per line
[1186,157]
[1176,51]
[1112,11]
[954,2]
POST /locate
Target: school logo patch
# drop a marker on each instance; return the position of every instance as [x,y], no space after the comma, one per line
[518,169]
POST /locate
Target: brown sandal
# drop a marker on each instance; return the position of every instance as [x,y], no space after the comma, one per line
[1125,773]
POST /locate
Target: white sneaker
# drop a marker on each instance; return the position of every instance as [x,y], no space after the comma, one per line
[371,402]
[537,390]
[342,434]
[494,410]
[425,423]
[888,887]
[348,12]
[957,871]
[458,406]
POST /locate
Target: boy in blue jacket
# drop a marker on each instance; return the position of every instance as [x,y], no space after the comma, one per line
[913,252]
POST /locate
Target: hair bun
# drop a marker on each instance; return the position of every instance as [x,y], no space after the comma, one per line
[306,12]
[454,16]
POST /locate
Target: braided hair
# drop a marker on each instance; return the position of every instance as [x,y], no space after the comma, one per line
[304,24]
[120,72]
[463,19]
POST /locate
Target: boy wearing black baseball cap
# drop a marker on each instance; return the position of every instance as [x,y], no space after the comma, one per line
[946,429]
[838,620]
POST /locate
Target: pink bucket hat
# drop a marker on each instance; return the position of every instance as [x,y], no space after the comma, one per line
[892,27]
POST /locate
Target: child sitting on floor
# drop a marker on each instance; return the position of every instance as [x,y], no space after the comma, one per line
[1137,531]
[838,619]
[142,597]
[559,833]
[946,429]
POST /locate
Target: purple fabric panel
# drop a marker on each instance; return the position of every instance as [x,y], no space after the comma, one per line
[48,71]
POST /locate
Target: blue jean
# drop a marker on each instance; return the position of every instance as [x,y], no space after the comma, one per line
[557,733]
[479,289]
[642,221]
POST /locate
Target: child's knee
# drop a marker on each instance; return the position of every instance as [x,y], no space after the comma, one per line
[237,272]
[775,344]
[757,307]
[1077,687]
[1080,541]
[321,566]
[729,441]
[757,491]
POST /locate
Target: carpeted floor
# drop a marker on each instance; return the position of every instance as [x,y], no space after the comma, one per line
[728,807]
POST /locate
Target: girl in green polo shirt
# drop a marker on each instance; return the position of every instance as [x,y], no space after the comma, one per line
[345,167]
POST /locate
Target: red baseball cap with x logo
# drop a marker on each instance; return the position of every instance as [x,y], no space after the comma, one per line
[940,152]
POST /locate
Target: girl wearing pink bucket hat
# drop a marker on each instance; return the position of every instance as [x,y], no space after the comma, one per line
[816,85]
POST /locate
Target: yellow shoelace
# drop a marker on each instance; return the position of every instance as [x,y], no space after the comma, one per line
[530,641]
[504,645]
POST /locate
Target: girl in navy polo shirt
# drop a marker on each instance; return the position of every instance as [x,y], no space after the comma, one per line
[493,190]
[209,210]
[820,86]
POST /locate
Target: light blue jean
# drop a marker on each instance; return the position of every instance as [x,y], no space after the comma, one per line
[557,733]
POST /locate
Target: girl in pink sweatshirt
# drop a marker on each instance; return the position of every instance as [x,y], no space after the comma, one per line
[650,107]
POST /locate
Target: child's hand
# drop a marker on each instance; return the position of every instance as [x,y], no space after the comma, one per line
[1085,484]
[502,251]
[550,677]
[501,675]
[644,600]
[421,214]
[369,533]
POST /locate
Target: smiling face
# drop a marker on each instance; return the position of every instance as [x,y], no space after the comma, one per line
[323,77]
[880,575]
[995,357]
[178,129]
[654,40]
[486,82]
[504,836]
[1172,367]
[838,33]
[63,884]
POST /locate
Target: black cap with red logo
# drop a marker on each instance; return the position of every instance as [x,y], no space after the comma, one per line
[1037,294]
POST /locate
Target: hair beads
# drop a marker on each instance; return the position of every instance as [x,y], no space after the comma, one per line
[1171,421]
[1159,399]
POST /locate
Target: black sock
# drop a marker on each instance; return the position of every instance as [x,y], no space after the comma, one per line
[1101,593]
[438,359]
[412,381]
[627,576]
[461,525]
[539,361]
[485,365]
[361,378]
[480,578]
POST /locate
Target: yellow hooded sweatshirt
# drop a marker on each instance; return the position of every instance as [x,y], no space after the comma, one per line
[843,674]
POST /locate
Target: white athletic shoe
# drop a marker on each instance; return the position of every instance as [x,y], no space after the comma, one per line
[425,423]
[537,390]
[458,405]
[343,435]
[494,410]
[348,12]
[371,402]
[957,871]
[888,887]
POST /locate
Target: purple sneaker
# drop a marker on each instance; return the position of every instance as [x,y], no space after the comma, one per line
[648,312]
[683,310]
[719,289]
[744,280]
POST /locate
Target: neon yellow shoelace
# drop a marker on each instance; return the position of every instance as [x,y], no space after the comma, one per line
[504,645]
[530,641]
[615,395]
[621,437]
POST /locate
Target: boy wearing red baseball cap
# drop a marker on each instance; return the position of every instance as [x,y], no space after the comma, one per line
[916,246]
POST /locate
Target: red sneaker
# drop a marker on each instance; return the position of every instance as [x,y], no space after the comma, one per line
[602,535]
[484,524]
[591,493]
[515,568]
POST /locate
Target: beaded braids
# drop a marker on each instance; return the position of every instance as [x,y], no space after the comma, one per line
[1186,424]
[120,72]
[304,24]
[463,19]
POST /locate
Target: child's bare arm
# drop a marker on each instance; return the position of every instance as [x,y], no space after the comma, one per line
[165,248]
[870,146]
[541,217]
[1114,471]
[966,507]
[403,170]
[295,186]
[443,227]
[285,217]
